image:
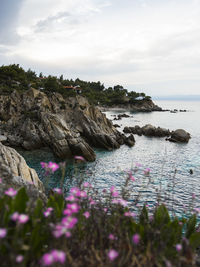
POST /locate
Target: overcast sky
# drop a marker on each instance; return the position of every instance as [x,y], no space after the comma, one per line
[144,45]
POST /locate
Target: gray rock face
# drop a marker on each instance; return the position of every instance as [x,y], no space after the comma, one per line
[180,136]
[68,126]
[147,130]
[16,171]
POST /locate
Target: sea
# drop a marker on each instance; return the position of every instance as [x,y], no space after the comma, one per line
[169,180]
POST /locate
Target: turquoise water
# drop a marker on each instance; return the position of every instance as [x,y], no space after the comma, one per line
[161,156]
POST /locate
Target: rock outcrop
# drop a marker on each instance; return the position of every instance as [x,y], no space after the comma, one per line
[146,105]
[68,126]
[147,130]
[179,136]
[15,171]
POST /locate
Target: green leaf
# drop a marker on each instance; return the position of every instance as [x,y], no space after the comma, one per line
[195,240]
[144,216]
[21,200]
[190,227]
[161,216]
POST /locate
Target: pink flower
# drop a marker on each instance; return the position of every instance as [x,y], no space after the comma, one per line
[11,192]
[74,207]
[3,232]
[112,254]
[112,189]
[112,237]
[47,213]
[131,176]
[86,214]
[86,184]
[57,190]
[70,198]
[58,256]
[81,194]
[178,247]
[68,234]
[147,171]
[138,164]
[136,239]
[19,258]
[53,166]
[67,212]
[79,158]
[23,218]
[0,181]
[74,190]
[115,194]
[43,165]
[15,216]
[47,259]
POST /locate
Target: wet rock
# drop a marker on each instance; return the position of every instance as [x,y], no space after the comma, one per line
[179,136]
[130,140]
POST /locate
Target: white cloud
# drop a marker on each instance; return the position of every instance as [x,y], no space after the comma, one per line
[136,43]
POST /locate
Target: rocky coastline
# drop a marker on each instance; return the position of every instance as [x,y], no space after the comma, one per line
[145,105]
[69,127]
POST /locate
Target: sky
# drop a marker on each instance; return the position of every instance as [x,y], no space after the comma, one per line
[145,45]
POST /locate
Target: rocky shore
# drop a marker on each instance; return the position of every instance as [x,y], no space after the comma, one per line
[146,105]
[177,136]
[67,126]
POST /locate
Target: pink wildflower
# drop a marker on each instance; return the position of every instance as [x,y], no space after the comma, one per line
[81,194]
[73,207]
[112,254]
[79,158]
[57,190]
[23,218]
[47,259]
[43,165]
[86,184]
[131,176]
[15,216]
[86,214]
[70,198]
[3,232]
[147,171]
[53,166]
[112,237]
[68,234]
[11,192]
[136,239]
[47,213]
[178,247]
[74,190]
[58,256]
[19,258]
[197,210]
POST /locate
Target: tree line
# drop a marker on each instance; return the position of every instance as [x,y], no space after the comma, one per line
[14,77]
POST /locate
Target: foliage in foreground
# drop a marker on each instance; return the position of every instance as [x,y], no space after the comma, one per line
[81,230]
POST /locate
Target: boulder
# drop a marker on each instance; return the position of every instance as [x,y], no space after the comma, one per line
[180,136]
[130,140]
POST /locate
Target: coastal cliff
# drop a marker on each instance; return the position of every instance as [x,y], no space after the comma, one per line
[69,126]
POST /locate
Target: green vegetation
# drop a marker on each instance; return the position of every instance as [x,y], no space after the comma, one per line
[13,77]
[88,232]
